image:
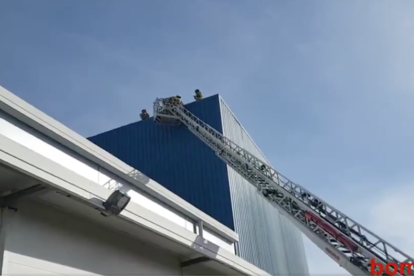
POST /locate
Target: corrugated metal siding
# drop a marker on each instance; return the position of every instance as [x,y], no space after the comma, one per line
[267,239]
[296,256]
[177,159]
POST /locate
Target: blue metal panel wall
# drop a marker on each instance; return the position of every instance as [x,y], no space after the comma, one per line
[267,239]
[177,159]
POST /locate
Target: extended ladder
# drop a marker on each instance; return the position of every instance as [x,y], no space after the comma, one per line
[347,242]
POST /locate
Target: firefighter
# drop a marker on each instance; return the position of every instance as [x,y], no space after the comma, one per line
[198,96]
[176,100]
[170,100]
[144,114]
[305,196]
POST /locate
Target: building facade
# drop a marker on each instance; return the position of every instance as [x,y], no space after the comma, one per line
[53,187]
[175,158]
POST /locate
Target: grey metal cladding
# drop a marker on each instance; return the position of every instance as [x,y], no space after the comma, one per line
[267,239]
[296,256]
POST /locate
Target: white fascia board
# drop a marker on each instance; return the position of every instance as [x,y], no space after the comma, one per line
[46,125]
[35,165]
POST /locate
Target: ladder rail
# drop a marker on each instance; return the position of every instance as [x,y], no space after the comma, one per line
[289,185]
[288,193]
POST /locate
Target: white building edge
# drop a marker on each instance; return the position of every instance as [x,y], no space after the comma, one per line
[155,234]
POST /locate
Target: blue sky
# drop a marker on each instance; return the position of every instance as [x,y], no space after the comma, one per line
[324,87]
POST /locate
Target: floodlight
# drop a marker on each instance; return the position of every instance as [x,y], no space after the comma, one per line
[115,203]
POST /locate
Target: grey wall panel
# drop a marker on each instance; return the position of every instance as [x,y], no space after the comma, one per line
[46,241]
[258,226]
[267,239]
[296,256]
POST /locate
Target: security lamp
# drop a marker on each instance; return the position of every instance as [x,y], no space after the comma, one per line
[115,203]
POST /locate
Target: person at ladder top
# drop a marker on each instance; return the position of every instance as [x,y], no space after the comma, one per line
[177,99]
[144,114]
[198,96]
[172,100]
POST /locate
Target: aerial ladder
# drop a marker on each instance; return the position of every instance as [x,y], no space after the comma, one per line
[347,242]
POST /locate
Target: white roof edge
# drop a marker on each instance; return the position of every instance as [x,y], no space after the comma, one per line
[50,127]
[25,160]
[222,101]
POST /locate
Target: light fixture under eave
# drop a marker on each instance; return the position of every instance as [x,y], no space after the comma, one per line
[115,203]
